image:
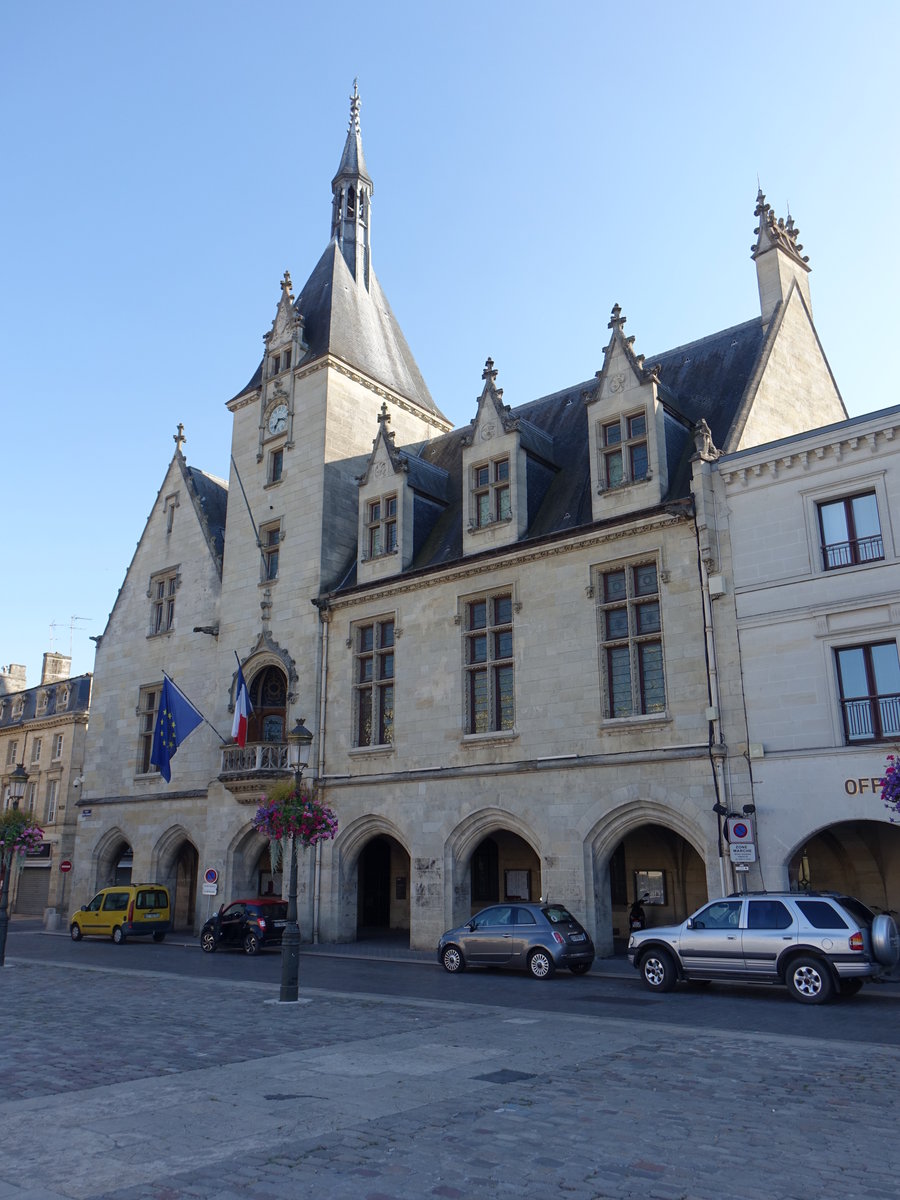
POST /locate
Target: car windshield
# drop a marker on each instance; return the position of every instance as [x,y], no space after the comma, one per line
[557,915]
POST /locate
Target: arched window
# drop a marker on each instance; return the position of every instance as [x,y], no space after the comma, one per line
[268,695]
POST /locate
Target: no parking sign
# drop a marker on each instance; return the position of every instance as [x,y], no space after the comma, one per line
[210,882]
[741,842]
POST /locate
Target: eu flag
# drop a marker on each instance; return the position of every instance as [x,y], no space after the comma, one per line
[176,720]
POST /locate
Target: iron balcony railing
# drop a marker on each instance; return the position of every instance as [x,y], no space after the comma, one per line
[849,554]
[872,718]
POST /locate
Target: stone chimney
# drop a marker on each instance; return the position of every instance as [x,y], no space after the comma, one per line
[12,679]
[56,667]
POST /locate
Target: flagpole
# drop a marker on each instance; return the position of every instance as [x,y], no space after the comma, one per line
[207,721]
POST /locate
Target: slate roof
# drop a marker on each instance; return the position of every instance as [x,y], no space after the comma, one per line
[705,379]
[358,326]
[212,497]
[79,700]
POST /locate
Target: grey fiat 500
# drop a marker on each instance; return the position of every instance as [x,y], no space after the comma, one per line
[537,938]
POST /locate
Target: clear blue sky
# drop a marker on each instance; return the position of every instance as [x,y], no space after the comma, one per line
[533,164]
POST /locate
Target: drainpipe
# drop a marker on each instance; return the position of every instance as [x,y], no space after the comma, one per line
[325,620]
[707,453]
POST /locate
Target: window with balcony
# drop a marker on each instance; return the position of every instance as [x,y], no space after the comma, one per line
[162,601]
[631,641]
[490,493]
[869,681]
[381,526]
[373,683]
[488,664]
[850,531]
[623,450]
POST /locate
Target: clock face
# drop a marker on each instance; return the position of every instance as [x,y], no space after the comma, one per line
[278,418]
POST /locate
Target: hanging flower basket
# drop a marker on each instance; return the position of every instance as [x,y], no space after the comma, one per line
[890,786]
[286,813]
[18,835]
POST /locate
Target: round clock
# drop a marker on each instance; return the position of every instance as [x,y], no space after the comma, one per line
[278,418]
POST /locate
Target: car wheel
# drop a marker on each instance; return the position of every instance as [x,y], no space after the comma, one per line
[208,941]
[251,944]
[658,971]
[453,960]
[579,968]
[885,940]
[809,981]
[849,987]
[159,936]
[540,964]
[75,932]
[118,936]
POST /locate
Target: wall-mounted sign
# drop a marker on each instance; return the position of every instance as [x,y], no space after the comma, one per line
[212,875]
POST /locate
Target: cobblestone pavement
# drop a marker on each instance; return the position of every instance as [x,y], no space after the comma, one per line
[129,1086]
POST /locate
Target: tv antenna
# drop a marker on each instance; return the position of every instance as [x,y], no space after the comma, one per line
[73,621]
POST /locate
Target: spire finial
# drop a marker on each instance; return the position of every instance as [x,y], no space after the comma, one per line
[489,372]
[354,105]
[178,438]
[616,321]
[384,416]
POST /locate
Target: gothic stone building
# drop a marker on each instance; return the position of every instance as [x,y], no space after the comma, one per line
[504,637]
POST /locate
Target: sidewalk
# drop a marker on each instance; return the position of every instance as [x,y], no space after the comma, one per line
[127,1085]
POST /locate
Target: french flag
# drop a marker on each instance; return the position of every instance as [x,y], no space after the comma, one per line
[242,710]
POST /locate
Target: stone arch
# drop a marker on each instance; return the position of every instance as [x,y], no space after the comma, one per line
[681,838]
[349,847]
[242,858]
[461,844]
[106,853]
[858,856]
[175,862]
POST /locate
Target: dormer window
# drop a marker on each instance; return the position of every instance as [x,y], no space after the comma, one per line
[280,362]
[381,526]
[624,450]
[490,492]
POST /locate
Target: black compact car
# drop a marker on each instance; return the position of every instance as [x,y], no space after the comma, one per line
[248,925]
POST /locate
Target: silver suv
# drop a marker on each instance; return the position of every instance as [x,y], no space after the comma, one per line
[816,943]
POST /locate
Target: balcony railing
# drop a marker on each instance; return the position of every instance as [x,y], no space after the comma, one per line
[849,554]
[872,718]
[248,770]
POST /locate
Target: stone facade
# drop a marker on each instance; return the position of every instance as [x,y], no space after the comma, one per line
[43,729]
[508,639]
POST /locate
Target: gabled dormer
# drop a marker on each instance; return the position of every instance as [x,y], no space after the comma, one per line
[504,458]
[401,498]
[779,263]
[285,346]
[627,430]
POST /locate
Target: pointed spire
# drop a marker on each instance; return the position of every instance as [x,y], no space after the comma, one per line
[351,191]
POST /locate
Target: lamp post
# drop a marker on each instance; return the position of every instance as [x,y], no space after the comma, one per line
[299,742]
[17,782]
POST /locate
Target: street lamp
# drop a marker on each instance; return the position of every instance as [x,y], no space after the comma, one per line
[299,742]
[17,782]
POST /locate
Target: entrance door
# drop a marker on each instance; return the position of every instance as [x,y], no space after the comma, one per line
[375,885]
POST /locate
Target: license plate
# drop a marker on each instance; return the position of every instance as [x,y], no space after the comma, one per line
[151,916]
[576,937]
[279,924]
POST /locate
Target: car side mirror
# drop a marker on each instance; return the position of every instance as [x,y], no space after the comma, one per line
[690,923]
[471,926]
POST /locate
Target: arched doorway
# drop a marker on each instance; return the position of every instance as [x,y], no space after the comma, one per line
[655,862]
[859,858]
[503,867]
[382,889]
[113,858]
[184,900]
[268,695]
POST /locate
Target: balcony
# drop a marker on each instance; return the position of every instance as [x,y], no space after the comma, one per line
[871,719]
[249,770]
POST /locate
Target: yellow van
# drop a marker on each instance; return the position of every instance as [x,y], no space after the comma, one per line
[127,910]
